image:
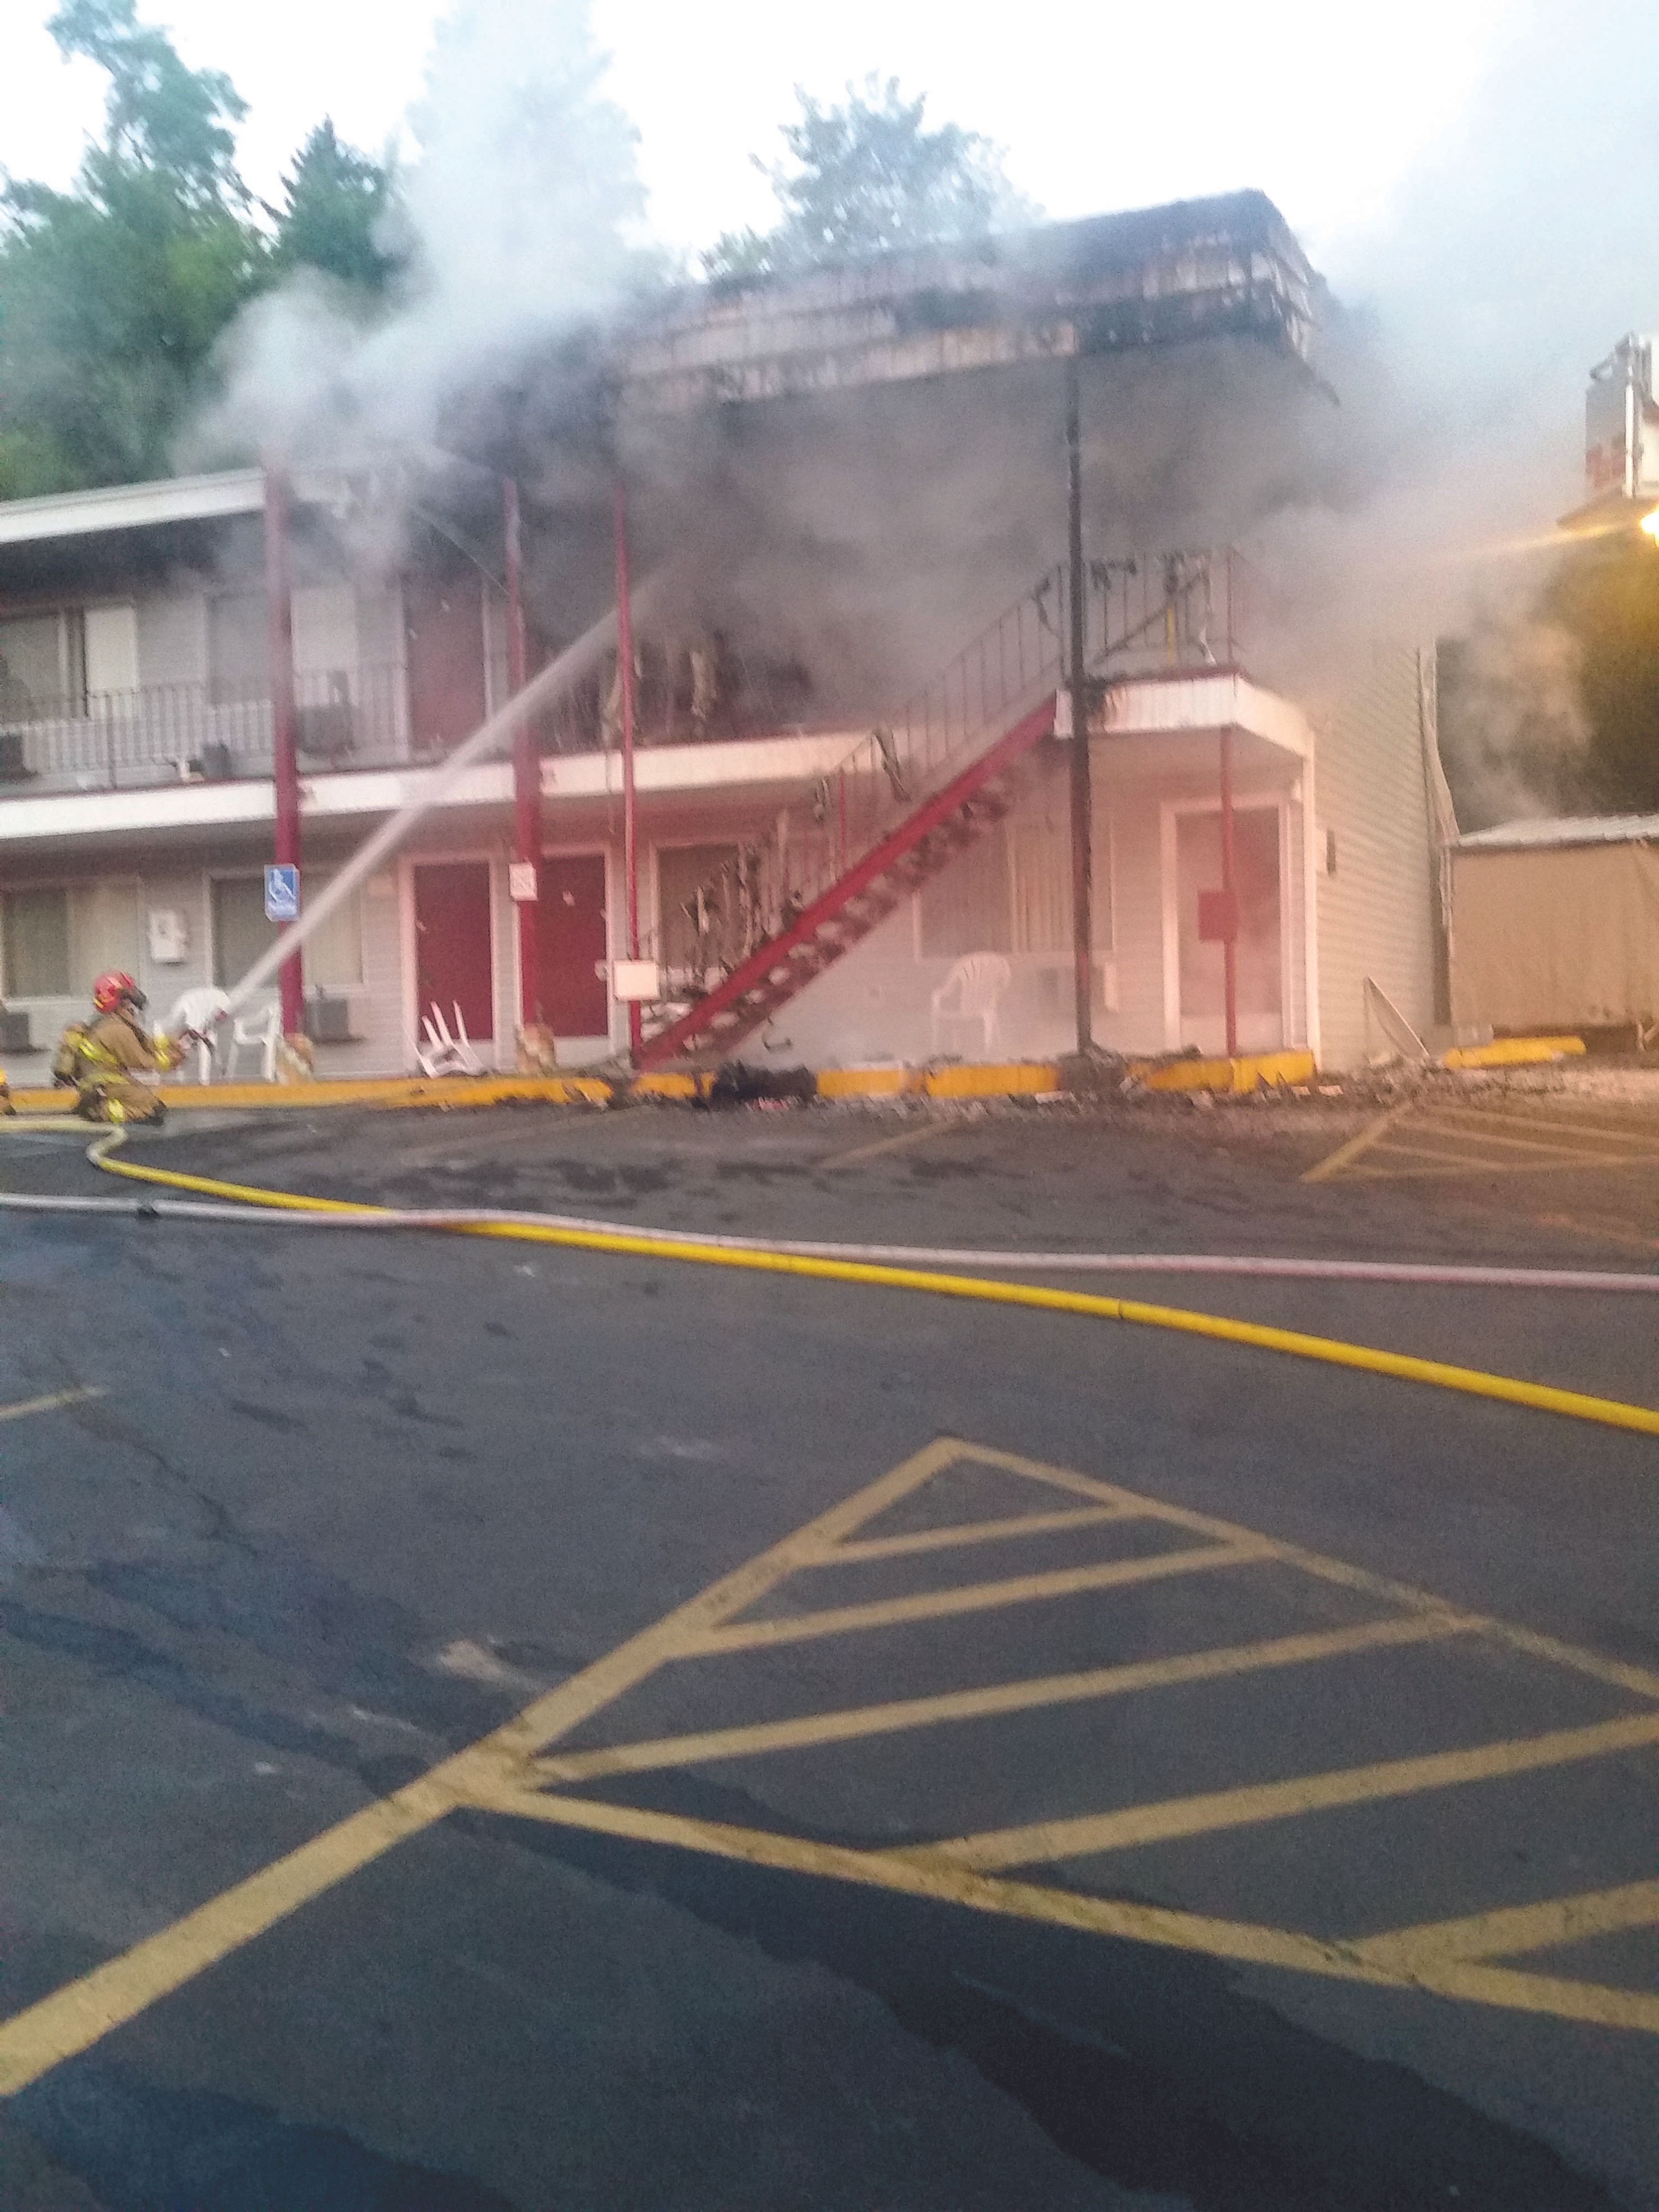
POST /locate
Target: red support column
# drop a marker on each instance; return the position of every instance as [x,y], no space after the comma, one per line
[526,771]
[284,749]
[1229,892]
[631,823]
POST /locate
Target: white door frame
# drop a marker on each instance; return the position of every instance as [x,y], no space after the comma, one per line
[448,856]
[1244,802]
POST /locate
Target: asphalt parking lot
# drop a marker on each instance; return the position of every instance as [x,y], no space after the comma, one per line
[492,1724]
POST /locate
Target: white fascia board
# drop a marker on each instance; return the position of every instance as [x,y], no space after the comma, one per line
[155,809]
[146,506]
[728,765]
[131,506]
[1161,706]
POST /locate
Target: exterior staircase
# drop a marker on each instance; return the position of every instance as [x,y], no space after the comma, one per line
[911,797]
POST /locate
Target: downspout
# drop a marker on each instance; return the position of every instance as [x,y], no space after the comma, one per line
[630,809]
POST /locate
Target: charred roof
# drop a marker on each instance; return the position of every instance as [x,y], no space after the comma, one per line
[1193,269]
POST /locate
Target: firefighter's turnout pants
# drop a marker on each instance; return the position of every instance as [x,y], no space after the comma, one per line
[110,1054]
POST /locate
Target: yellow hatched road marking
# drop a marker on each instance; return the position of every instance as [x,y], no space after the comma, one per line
[1513,1929]
[1045,1840]
[1244,1942]
[977,1532]
[498,1773]
[1630,1133]
[1443,1163]
[1043,1690]
[1445,1126]
[53,1402]
[1333,1162]
[975,1597]
[80,2013]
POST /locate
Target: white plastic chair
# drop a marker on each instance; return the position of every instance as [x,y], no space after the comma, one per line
[444,1054]
[972,993]
[201,1009]
[263,1033]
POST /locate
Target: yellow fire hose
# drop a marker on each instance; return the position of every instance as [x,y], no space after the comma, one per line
[1542,1397]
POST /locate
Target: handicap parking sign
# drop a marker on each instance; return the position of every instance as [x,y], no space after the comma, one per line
[282,894]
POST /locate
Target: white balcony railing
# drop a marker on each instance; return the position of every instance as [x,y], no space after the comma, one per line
[167,732]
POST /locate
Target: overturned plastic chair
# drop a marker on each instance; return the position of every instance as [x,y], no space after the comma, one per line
[972,992]
[202,1010]
[444,1054]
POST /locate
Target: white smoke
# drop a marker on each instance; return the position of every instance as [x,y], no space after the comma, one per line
[1522,247]
[524,210]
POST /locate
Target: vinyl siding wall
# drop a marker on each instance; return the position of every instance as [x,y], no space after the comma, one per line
[1375,915]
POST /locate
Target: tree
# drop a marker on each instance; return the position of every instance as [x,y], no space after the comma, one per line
[340,214]
[113,295]
[867,176]
[1608,601]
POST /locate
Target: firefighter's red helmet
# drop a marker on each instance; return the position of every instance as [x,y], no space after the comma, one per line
[112,989]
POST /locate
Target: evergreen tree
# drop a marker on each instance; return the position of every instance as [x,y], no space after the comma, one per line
[339,215]
[867,176]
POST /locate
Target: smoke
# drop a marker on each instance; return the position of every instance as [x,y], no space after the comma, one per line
[1520,249]
[524,210]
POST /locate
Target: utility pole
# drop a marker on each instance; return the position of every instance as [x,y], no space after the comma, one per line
[1082,824]
[284,746]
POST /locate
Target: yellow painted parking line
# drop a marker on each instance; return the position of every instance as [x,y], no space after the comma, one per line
[975,1597]
[1045,1840]
[1621,1674]
[1456,1164]
[978,1532]
[74,2018]
[1334,1163]
[499,1773]
[1632,1127]
[1240,1942]
[1398,1134]
[1038,1692]
[1514,1929]
[1064,1908]
[906,1137]
[53,1402]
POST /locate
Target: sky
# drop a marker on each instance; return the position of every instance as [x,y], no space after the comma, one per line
[1327,108]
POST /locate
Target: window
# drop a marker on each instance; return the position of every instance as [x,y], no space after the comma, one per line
[333,957]
[965,908]
[43,666]
[1041,859]
[34,944]
[239,659]
[683,872]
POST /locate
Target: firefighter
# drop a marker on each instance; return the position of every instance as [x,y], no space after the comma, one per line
[106,1058]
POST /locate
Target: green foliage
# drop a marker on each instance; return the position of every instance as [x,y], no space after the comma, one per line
[1609,602]
[114,296]
[338,215]
[160,117]
[866,178]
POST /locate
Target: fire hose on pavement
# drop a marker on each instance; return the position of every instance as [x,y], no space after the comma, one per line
[917,1269]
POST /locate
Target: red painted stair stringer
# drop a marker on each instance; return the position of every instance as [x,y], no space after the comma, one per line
[864,873]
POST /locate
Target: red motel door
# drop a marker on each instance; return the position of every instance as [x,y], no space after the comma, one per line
[452,962]
[571,942]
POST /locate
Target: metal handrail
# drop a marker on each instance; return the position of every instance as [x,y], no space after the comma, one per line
[1171,610]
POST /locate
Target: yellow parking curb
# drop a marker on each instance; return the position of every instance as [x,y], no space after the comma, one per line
[1246,1073]
[387,1092]
[1015,1079]
[869,1082]
[1513,1052]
